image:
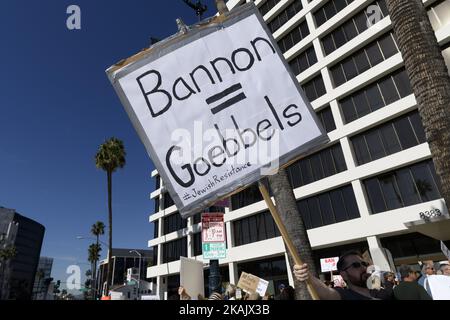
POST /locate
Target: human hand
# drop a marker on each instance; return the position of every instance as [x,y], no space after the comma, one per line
[301,272]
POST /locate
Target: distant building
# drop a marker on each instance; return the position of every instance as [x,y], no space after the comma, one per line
[122,260]
[42,279]
[26,236]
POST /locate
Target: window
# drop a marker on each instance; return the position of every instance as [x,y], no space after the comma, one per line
[439,14]
[197,239]
[254,228]
[348,30]
[155,229]
[326,118]
[322,164]
[246,197]
[157,182]
[314,88]
[173,223]
[363,59]
[329,207]
[399,134]
[402,187]
[175,249]
[294,36]
[285,15]
[303,61]
[156,200]
[168,201]
[267,6]
[329,10]
[369,100]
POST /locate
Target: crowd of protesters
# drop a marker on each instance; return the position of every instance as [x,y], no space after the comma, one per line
[408,285]
[359,283]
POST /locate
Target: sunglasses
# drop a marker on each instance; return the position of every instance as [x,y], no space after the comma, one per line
[357,265]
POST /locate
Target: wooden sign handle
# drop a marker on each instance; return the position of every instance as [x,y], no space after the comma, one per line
[287,240]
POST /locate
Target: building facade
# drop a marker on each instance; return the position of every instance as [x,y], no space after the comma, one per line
[122,260]
[21,269]
[368,187]
[42,279]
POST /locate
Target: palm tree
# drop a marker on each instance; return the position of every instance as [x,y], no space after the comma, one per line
[93,256]
[429,79]
[97,230]
[293,222]
[110,156]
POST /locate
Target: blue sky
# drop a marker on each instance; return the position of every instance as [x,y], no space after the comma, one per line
[57,107]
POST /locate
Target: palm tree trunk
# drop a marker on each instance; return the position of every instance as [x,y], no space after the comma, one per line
[94,276]
[429,79]
[109,272]
[292,220]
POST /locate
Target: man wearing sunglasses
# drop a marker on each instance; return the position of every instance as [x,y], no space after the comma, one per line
[353,269]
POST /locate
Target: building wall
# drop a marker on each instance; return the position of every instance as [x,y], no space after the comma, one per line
[23,266]
[380,169]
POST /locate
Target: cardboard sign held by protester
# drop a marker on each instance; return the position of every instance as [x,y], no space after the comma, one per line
[251,284]
[215,106]
[439,286]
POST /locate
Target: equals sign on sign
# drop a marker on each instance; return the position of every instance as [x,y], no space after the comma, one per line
[226,98]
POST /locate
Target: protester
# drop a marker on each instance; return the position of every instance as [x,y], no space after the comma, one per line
[353,270]
[389,280]
[427,270]
[215,296]
[288,293]
[254,296]
[230,292]
[445,268]
[409,289]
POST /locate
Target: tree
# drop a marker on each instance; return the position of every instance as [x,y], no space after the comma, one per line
[110,157]
[293,222]
[429,80]
[93,256]
[97,230]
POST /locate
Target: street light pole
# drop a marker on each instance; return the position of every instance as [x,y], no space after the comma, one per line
[139,278]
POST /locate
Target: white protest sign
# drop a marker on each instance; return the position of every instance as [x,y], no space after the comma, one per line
[262,287]
[329,264]
[439,286]
[191,277]
[216,105]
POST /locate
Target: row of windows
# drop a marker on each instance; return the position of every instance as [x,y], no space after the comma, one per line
[285,15]
[293,37]
[254,228]
[175,249]
[397,135]
[350,29]
[320,165]
[267,6]
[173,223]
[326,118]
[403,187]
[314,88]
[364,59]
[375,96]
[329,10]
[329,207]
[303,61]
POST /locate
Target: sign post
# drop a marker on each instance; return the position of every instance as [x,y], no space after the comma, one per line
[213,246]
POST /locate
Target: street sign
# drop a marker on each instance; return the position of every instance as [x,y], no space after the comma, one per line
[216,107]
[213,227]
[214,250]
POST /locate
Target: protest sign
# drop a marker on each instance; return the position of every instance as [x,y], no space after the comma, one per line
[329,264]
[191,277]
